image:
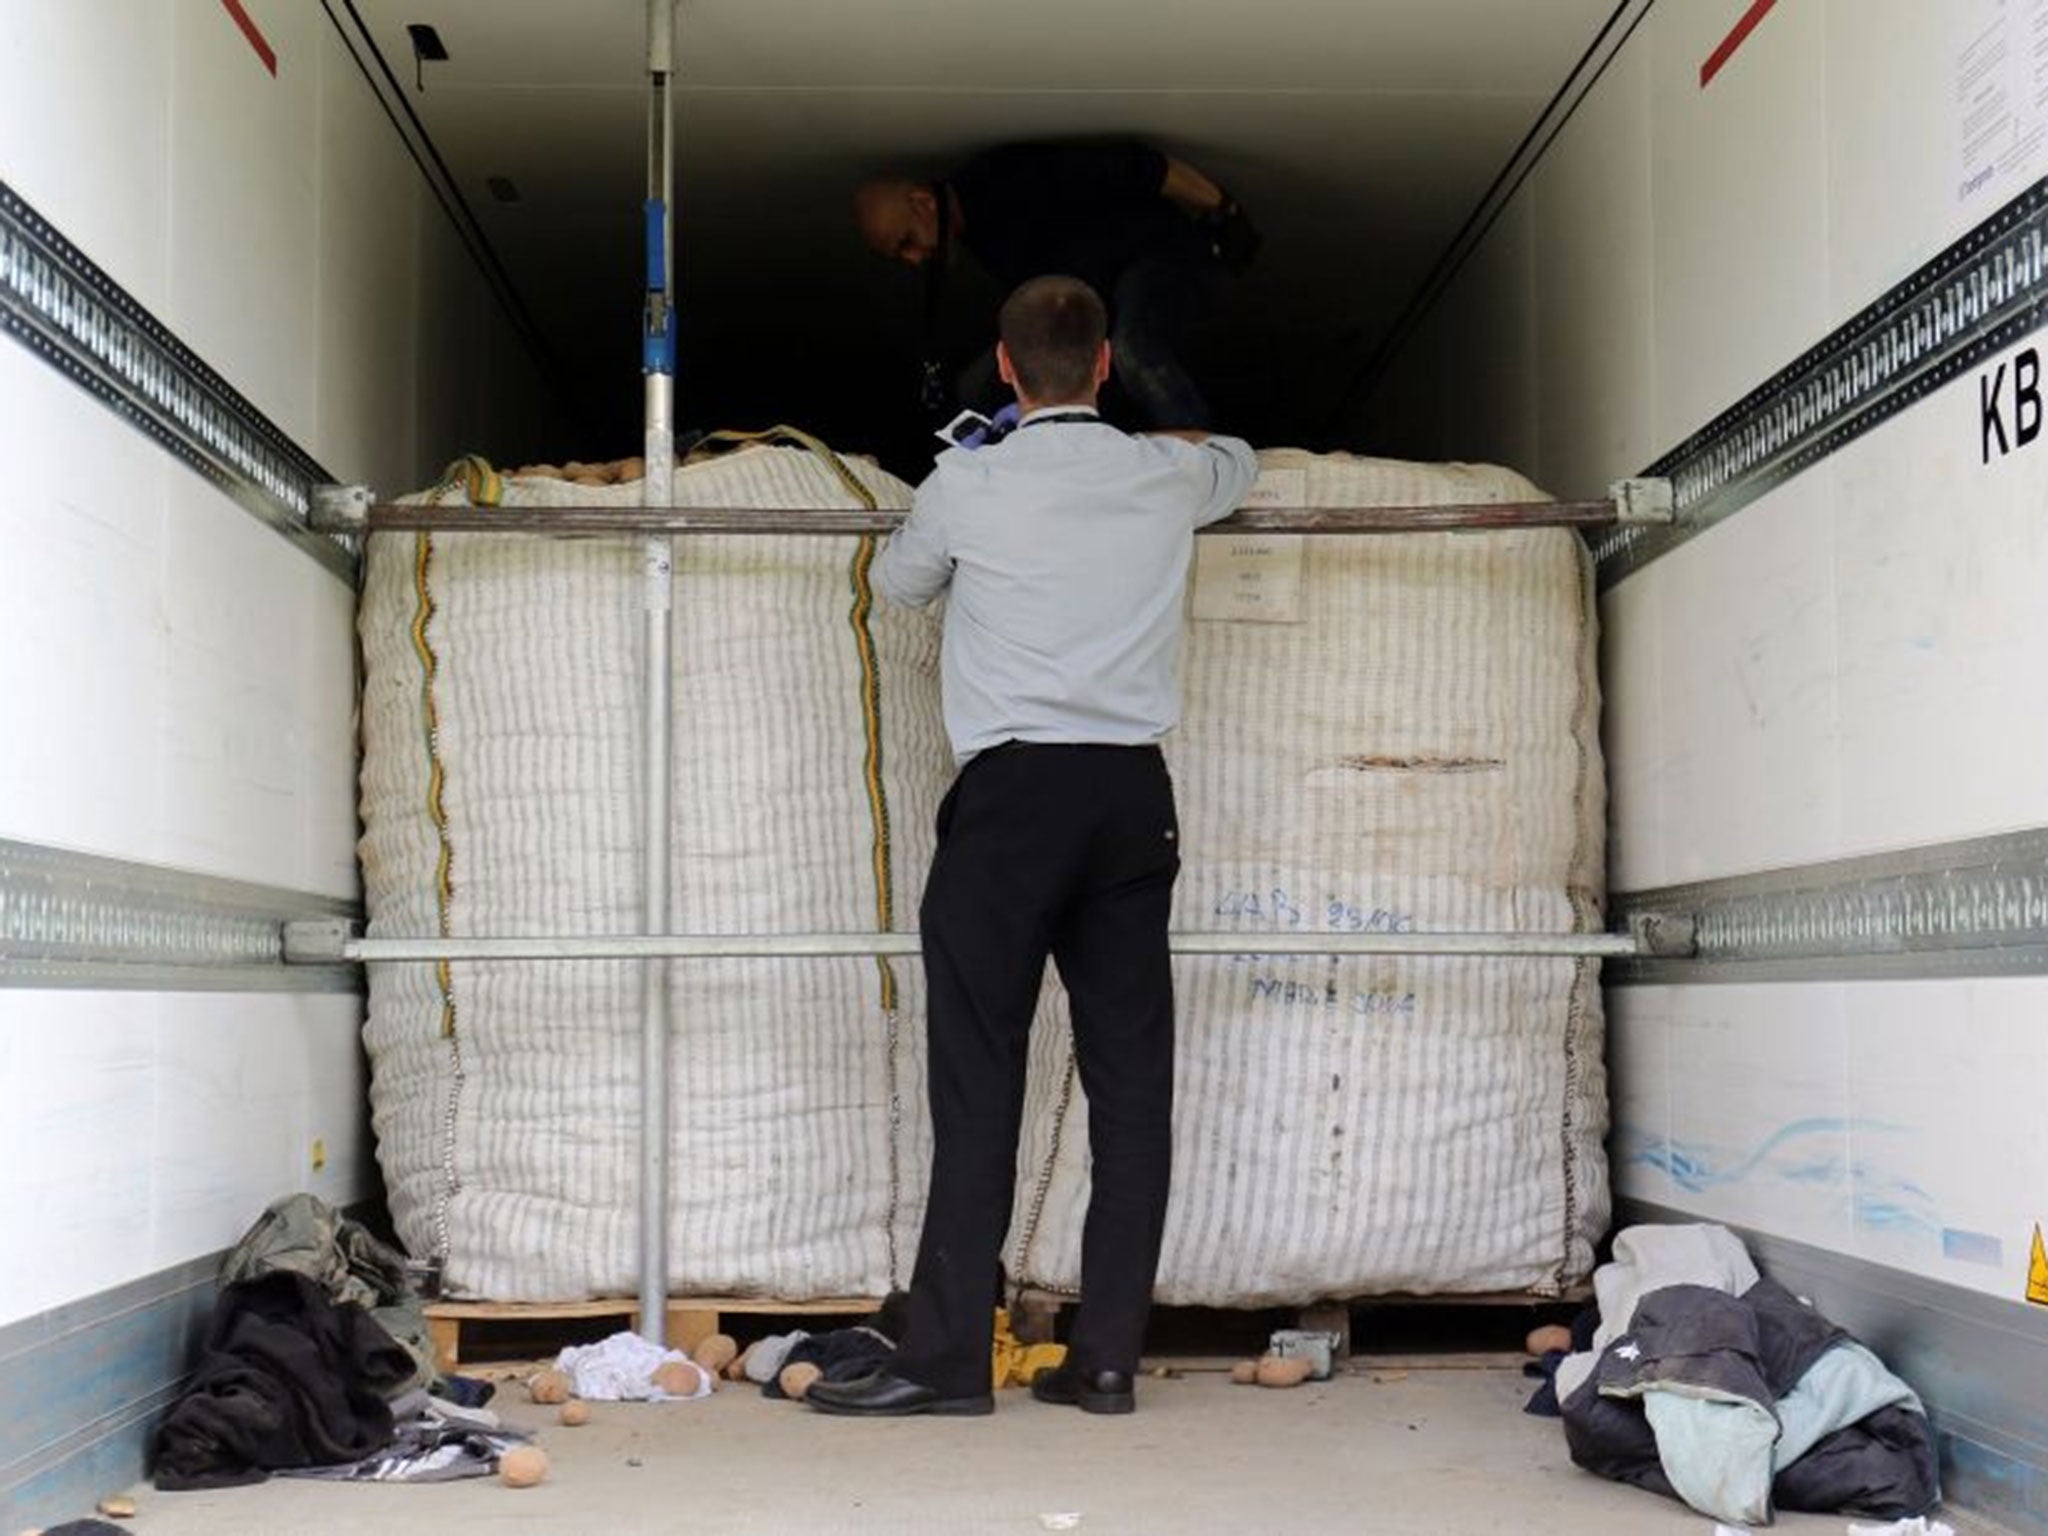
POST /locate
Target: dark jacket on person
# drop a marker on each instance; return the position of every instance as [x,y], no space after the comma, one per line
[1086,210]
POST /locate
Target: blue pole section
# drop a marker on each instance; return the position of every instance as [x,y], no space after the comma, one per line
[658,335]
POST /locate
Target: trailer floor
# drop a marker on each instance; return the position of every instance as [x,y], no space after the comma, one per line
[1436,1452]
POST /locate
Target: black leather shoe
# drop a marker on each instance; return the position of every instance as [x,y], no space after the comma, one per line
[885,1395]
[1089,1391]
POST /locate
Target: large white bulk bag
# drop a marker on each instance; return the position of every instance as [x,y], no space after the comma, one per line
[808,766]
[1411,743]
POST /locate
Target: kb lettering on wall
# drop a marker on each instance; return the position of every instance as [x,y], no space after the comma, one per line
[2017,408]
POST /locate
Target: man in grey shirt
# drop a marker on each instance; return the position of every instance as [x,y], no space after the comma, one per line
[1064,550]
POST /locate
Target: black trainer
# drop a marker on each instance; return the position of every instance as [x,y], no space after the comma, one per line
[1089,1391]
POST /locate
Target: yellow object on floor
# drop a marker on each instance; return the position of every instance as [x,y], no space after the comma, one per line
[1017,1362]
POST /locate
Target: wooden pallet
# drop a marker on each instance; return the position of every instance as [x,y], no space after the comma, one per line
[691,1319]
[1571,1295]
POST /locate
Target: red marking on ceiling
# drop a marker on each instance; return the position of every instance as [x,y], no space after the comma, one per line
[252,32]
[1734,40]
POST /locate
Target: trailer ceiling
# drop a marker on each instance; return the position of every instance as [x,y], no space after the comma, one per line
[1359,133]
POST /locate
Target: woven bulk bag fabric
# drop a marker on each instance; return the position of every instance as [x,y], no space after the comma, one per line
[501,795]
[1414,747]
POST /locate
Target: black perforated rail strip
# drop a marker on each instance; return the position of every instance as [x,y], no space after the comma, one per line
[1979,296]
[65,309]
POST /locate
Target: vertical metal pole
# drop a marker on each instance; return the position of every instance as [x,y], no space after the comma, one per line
[658,364]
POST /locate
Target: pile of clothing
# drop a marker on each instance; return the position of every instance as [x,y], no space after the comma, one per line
[840,1354]
[847,1354]
[316,1363]
[626,1368]
[1708,1383]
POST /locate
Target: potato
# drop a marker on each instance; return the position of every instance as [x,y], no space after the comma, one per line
[634,468]
[544,471]
[118,1506]
[575,1412]
[1282,1371]
[1245,1372]
[1542,1341]
[680,1378]
[549,1386]
[796,1380]
[716,1352]
[523,1467]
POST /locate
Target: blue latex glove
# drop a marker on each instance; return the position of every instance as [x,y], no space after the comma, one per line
[1000,426]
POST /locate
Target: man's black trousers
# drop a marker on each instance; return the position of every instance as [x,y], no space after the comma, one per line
[1068,852]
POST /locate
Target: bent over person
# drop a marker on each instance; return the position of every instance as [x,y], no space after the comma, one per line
[1064,550]
[1149,232]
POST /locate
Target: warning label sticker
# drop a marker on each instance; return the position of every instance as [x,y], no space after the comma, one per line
[2000,93]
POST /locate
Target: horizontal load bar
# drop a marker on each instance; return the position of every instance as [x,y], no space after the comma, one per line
[395,517]
[326,943]
[349,509]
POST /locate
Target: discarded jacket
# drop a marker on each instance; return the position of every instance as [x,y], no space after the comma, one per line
[286,1378]
[304,1233]
[1738,1397]
[840,1354]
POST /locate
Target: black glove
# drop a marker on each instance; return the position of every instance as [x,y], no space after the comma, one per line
[1232,238]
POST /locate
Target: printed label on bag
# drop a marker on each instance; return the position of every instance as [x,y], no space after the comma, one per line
[1277,488]
[1249,578]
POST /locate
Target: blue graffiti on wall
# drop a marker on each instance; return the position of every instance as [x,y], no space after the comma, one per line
[1810,1153]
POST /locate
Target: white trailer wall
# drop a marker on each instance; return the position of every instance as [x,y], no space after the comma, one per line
[175,678]
[1853,664]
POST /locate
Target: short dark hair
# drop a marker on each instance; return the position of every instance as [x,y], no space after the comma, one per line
[1053,329]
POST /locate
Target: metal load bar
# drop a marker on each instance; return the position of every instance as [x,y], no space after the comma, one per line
[321,942]
[350,509]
